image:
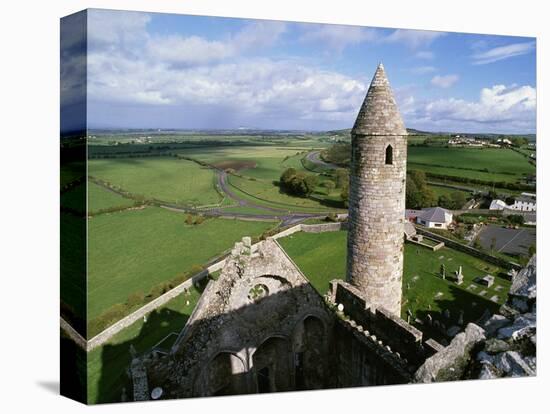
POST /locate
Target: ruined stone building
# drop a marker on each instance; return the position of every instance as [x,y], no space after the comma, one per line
[261,326]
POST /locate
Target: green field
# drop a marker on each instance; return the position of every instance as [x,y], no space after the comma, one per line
[322,257]
[73,266]
[500,164]
[264,192]
[262,162]
[163,178]
[100,198]
[439,191]
[107,364]
[131,251]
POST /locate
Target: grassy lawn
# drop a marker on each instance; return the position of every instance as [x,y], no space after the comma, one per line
[322,257]
[131,251]
[100,198]
[439,191]
[162,178]
[73,266]
[266,193]
[262,162]
[498,162]
[250,210]
[107,364]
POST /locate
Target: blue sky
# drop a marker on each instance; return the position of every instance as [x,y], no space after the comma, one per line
[148,70]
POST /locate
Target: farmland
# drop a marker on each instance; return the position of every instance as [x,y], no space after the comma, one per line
[100,198]
[261,162]
[488,164]
[322,258]
[163,178]
[132,251]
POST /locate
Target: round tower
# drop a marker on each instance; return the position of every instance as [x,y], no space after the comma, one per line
[377,197]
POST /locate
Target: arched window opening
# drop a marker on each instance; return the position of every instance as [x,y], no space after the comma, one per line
[389,155]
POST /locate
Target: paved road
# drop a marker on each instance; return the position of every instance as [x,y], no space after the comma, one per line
[286,217]
[314,157]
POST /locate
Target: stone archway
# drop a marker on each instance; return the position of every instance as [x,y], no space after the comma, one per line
[223,375]
[271,363]
[310,354]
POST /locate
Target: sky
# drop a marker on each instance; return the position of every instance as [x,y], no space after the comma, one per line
[153,70]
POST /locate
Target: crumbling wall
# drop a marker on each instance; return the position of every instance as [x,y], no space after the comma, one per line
[257,316]
[504,346]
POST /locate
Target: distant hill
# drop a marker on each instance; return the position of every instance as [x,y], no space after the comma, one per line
[412,131]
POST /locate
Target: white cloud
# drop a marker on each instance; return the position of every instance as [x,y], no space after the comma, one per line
[255,86]
[424,54]
[499,108]
[338,37]
[422,70]
[503,52]
[414,39]
[114,29]
[444,81]
[192,50]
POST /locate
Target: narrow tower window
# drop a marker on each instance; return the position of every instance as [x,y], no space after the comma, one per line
[389,155]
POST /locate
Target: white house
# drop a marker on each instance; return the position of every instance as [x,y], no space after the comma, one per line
[497,204]
[525,202]
[435,217]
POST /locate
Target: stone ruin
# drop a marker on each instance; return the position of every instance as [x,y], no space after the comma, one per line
[262,327]
[503,346]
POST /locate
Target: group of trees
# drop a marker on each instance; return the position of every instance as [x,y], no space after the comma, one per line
[338,154]
[453,201]
[418,194]
[298,182]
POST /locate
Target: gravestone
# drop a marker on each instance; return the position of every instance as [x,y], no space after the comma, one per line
[461,318]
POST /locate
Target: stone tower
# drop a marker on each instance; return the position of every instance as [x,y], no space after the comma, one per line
[377,197]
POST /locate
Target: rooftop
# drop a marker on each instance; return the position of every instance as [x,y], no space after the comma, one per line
[379,114]
[436,214]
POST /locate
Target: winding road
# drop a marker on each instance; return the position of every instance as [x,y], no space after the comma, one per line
[286,217]
[315,158]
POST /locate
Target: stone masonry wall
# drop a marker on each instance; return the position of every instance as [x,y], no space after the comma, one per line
[377,197]
[376,219]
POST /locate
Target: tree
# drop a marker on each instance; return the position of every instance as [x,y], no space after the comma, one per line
[510,200]
[298,183]
[310,182]
[445,201]
[458,199]
[517,219]
[477,244]
[532,250]
[329,185]
[418,193]
[287,175]
[342,177]
[493,243]
[344,194]
[413,198]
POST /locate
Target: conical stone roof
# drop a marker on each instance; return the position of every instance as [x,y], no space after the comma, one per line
[379,114]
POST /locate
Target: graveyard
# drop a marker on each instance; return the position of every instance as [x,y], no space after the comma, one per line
[433,299]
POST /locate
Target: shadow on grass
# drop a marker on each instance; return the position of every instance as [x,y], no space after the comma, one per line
[326,202]
[473,307]
[114,383]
